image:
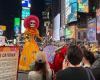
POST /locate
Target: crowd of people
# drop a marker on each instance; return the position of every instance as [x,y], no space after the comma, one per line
[78,63]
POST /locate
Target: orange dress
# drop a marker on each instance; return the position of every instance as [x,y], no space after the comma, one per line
[28,54]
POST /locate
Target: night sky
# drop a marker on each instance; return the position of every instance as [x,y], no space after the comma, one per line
[12,8]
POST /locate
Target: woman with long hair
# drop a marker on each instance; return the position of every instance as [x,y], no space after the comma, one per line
[41,68]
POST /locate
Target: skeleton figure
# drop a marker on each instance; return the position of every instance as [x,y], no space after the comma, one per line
[30,47]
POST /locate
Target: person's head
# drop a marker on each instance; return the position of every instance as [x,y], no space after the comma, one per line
[74,55]
[88,57]
[40,62]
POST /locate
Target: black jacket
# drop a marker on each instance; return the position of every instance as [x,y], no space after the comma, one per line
[72,73]
[96,69]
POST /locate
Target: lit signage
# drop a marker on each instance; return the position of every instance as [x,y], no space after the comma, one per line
[70,32]
[91,31]
[70,10]
[83,6]
[17,22]
[22,27]
[25,12]
[26,3]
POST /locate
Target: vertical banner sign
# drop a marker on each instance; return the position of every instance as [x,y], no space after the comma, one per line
[16,25]
[98,24]
[9,63]
[98,20]
[22,26]
[91,32]
[25,12]
[26,5]
[70,10]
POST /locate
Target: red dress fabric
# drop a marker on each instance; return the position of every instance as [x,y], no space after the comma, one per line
[58,59]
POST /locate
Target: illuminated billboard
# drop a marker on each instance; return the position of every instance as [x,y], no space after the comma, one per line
[91,31]
[17,25]
[70,11]
[70,32]
[83,6]
[17,22]
[26,3]
[25,12]
[98,24]
[22,26]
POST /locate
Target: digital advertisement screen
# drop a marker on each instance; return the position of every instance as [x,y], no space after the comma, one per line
[83,6]
[22,26]
[98,24]
[73,15]
[16,21]
[70,32]
[71,10]
[91,32]
[25,12]
[26,3]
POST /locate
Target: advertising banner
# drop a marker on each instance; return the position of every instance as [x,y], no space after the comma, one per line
[70,10]
[98,24]
[26,3]
[22,26]
[83,6]
[70,32]
[16,25]
[56,29]
[25,12]
[9,63]
[91,32]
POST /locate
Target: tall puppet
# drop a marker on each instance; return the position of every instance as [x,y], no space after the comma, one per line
[30,48]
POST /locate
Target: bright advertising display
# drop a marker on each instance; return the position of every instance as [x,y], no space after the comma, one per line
[98,20]
[9,62]
[25,12]
[26,3]
[70,32]
[17,25]
[98,24]
[83,6]
[91,32]
[70,11]
[22,26]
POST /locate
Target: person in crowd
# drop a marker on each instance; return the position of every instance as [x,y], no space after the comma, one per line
[42,70]
[72,68]
[88,58]
[96,67]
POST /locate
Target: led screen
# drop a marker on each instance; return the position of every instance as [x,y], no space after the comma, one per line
[70,11]
[17,22]
[98,24]
[22,26]
[25,12]
[91,31]
[83,6]
[26,3]
[70,32]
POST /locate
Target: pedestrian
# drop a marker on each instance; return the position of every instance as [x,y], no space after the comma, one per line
[72,68]
[41,70]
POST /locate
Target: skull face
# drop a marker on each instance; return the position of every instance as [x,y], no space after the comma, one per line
[32,23]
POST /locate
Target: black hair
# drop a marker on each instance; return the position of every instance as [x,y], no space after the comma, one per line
[89,56]
[43,68]
[74,55]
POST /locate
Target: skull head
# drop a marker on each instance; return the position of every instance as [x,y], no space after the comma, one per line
[32,23]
